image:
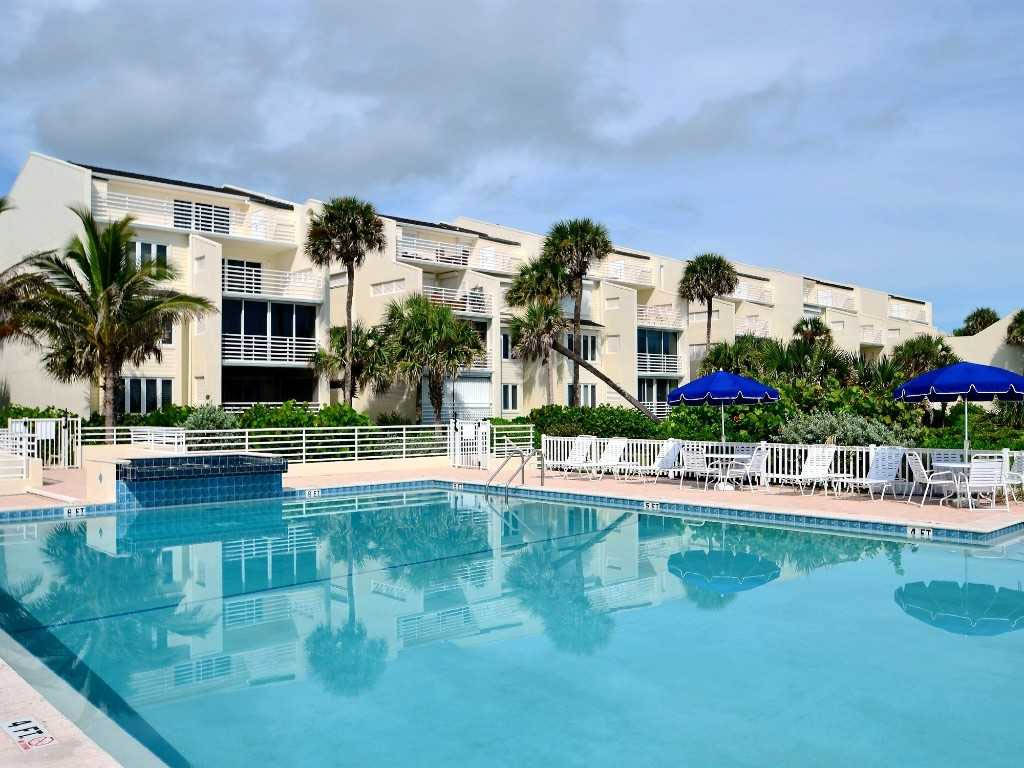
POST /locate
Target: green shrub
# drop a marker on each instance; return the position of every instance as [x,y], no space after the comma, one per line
[289,414]
[846,428]
[15,411]
[209,417]
[392,419]
[339,415]
[602,421]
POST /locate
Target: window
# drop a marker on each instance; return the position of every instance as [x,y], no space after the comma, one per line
[142,395]
[588,343]
[510,397]
[651,390]
[387,287]
[146,252]
[168,338]
[652,342]
[254,318]
[506,345]
[588,395]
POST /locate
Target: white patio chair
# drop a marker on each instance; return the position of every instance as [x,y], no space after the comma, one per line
[985,479]
[885,466]
[947,457]
[578,455]
[747,468]
[921,476]
[817,468]
[610,460]
[695,462]
[1015,477]
[664,463]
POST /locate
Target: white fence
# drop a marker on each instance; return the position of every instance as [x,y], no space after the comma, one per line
[57,442]
[278,283]
[240,347]
[311,444]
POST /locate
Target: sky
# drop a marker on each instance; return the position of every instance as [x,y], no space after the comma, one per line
[870,142]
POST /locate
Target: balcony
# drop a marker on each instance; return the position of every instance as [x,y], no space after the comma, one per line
[648,363]
[490,260]
[206,218]
[872,337]
[481,362]
[753,292]
[621,272]
[749,327]
[660,410]
[660,316]
[905,312]
[432,252]
[239,348]
[823,297]
[474,303]
[271,283]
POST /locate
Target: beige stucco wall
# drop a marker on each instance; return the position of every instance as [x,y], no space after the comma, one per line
[989,347]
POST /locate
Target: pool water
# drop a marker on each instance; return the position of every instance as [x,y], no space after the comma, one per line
[427,628]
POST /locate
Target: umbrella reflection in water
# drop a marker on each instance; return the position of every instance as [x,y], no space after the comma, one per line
[979,610]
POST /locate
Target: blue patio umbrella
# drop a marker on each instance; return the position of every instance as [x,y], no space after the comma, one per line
[978,610]
[724,573]
[722,388]
[971,381]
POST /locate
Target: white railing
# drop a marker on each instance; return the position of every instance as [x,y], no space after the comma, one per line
[823,297]
[239,406]
[621,272]
[755,293]
[903,312]
[460,302]
[481,362]
[209,218]
[318,444]
[466,411]
[660,409]
[647,362]
[757,328]
[16,450]
[660,316]
[158,438]
[239,347]
[872,336]
[275,283]
[433,251]
[490,260]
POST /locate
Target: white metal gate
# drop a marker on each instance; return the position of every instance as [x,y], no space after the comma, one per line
[469,443]
[57,442]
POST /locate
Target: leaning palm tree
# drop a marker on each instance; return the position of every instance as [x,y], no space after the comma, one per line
[576,358]
[705,277]
[427,342]
[99,310]
[812,330]
[343,232]
[370,364]
[533,334]
[1015,330]
[576,245]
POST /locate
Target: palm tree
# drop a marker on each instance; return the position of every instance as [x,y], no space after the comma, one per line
[922,353]
[812,330]
[573,355]
[705,277]
[540,279]
[427,341]
[1015,330]
[344,231]
[576,245]
[533,334]
[371,367]
[99,310]
[17,292]
[977,321]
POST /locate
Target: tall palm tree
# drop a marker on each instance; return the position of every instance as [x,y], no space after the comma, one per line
[426,341]
[370,364]
[1015,330]
[100,310]
[812,330]
[533,334]
[576,245]
[344,231]
[977,321]
[539,279]
[705,277]
[922,353]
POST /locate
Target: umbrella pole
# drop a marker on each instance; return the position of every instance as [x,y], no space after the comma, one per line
[966,441]
[723,424]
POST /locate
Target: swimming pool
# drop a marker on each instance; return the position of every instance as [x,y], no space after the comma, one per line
[432,627]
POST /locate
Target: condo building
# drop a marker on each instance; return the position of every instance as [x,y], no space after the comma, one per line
[245,253]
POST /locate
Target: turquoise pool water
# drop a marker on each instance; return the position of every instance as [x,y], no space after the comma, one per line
[429,628]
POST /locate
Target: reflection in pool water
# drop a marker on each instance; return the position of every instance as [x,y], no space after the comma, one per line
[425,627]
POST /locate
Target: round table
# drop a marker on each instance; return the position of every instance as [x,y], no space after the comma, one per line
[723,460]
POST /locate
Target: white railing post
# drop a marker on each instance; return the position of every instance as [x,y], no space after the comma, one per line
[405,441]
[303,445]
[355,441]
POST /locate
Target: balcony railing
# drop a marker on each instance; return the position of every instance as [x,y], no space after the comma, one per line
[489,260]
[421,250]
[621,272]
[256,223]
[647,362]
[240,347]
[835,299]
[760,329]
[659,409]
[481,362]
[903,312]
[239,406]
[275,283]
[755,293]
[872,336]
[660,316]
[460,302]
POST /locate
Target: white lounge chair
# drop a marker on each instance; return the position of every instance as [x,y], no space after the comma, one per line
[579,454]
[610,460]
[929,480]
[746,468]
[695,462]
[1015,477]
[986,477]
[885,466]
[816,469]
[664,463]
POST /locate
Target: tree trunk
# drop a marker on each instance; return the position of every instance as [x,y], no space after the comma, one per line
[350,583]
[577,341]
[435,390]
[350,373]
[549,367]
[108,397]
[707,338]
[571,354]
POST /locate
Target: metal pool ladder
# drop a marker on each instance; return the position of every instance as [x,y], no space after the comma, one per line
[524,456]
